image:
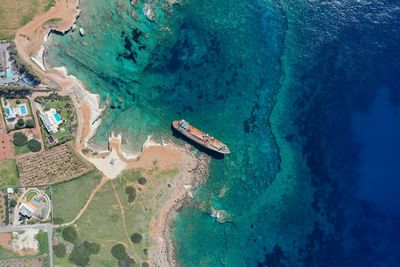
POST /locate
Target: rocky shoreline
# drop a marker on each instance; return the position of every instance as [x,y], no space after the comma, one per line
[163,252]
[192,170]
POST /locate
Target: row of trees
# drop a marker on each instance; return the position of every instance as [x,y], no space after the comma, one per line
[12,90]
[22,66]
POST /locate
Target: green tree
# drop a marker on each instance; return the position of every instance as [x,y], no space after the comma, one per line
[118,251]
[34,145]
[30,123]
[20,123]
[69,234]
[60,250]
[93,247]
[136,238]
[13,203]
[20,139]
[80,255]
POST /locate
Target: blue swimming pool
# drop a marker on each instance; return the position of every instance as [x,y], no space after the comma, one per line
[23,109]
[36,201]
[8,111]
[9,74]
[57,117]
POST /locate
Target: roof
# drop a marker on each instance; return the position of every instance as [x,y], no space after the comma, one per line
[51,119]
[26,210]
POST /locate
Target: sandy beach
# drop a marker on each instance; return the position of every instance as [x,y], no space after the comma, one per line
[192,170]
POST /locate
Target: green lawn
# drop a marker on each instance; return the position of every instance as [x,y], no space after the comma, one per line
[43,242]
[70,197]
[21,149]
[9,173]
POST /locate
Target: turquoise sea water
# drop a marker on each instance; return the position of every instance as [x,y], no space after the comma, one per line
[279,82]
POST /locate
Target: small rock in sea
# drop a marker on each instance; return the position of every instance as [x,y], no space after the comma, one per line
[135,15]
[221,216]
[73,27]
[82,32]
[84,43]
[134,2]
[149,12]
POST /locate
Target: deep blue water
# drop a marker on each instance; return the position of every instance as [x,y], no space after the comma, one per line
[305,93]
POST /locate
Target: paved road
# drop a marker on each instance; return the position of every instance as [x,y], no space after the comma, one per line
[44,227]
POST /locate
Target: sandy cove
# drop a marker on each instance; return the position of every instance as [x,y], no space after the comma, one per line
[30,42]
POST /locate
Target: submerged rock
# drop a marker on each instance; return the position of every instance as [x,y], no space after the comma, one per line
[134,2]
[221,216]
[135,15]
[82,32]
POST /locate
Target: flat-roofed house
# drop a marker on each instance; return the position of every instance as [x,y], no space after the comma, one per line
[26,210]
[51,120]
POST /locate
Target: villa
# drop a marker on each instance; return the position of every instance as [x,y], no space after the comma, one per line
[15,109]
[51,120]
[26,210]
[18,111]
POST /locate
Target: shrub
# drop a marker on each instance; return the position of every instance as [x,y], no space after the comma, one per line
[13,203]
[69,234]
[60,250]
[136,238]
[131,192]
[30,123]
[20,139]
[142,180]
[20,123]
[118,251]
[34,145]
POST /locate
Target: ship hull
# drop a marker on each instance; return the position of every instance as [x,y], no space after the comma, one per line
[197,136]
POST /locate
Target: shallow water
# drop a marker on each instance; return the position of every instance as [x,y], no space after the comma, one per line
[279,82]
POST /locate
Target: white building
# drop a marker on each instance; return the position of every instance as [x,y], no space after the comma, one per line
[51,120]
[26,210]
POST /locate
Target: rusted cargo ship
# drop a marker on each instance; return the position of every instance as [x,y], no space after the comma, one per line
[200,137]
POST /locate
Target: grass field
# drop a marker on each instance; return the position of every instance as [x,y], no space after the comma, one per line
[9,173]
[21,149]
[69,197]
[114,214]
[16,13]
[112,217]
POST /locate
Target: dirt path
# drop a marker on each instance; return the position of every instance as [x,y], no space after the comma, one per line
[121,207]
[103,181]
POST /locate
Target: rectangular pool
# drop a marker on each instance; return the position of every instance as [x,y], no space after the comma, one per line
[23,109]
[57,117]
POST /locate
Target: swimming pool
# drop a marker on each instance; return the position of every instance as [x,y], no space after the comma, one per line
[8,111]
[23,109]
[9,74]
[36,201]
[57,117]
